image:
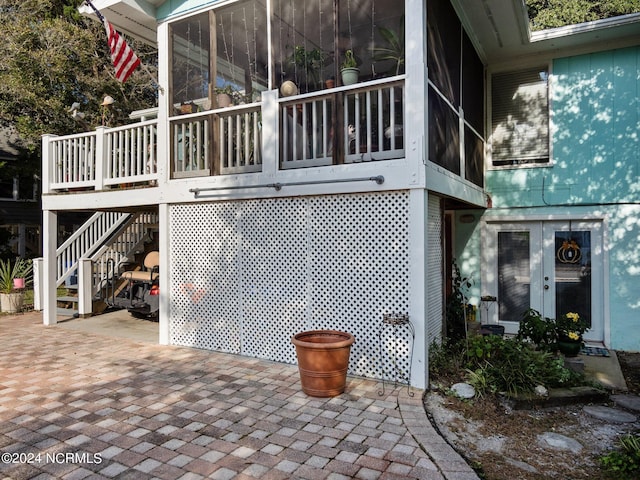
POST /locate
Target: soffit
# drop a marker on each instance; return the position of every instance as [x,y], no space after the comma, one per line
[499,29]
[500,32]
[136,18]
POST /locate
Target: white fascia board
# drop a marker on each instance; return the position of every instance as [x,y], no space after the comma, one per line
[587,27]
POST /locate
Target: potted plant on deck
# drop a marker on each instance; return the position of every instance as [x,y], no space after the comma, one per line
[349,70]
[393,50]
[225,96]
[311,62]
[13,278]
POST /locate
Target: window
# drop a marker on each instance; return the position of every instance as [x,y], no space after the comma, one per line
[520,117]
[456,95]
[308,50]
[239,67]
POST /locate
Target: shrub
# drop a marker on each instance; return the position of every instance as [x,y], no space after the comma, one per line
[626,459]
[514,366]
[545,332]
[541,331]
[445,359]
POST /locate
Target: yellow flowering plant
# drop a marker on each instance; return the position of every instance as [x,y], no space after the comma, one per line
[571,325]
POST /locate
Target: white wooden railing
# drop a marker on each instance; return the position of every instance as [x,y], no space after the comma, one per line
[236,142]
[105,157]
[108,259]
[229,140]
[371,119]
[131,153]
[85,241]
[72,160]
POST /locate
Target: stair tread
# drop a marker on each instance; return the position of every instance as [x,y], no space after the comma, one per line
[67,299]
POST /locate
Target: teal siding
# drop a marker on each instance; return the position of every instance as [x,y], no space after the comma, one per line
[596,137]
[595,172]
[179,7]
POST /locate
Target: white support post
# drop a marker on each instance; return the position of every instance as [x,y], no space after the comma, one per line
[50,235]
[163,150]
[101,158]
[418,285]
[47,164]
[163,241]
[85,287]
[38,271]
[270,131]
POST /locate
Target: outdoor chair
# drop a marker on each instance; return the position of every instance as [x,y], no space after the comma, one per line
[149,271]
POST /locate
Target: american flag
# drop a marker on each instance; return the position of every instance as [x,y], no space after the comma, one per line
[124,59]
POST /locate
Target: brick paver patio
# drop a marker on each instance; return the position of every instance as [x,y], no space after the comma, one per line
[76,405]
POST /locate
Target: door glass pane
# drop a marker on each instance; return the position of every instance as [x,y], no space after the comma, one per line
[514,275]
[573,273]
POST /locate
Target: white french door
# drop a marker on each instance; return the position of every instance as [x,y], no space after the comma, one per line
[555,267]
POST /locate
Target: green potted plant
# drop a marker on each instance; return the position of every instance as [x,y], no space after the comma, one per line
[349,69]
[570,328]
[394,48]
[225,96]
[311,62]
[13,278]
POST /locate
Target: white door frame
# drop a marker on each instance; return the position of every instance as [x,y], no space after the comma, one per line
[542,279]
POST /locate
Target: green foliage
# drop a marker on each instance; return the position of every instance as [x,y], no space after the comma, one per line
[445,359]
[558,13]
[394,50]
[51,58]
[626,459]
[21,269]
[494,364]
[456,304]
[541,331]
[349,60]
[545,332]
[311,62]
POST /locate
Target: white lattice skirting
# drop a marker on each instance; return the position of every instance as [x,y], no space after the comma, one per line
[247,275]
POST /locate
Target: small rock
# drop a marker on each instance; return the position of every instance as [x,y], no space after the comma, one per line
[541,391]
[463,390]
[521,465]
[559,442]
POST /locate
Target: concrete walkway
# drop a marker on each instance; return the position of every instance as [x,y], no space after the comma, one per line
[77,405]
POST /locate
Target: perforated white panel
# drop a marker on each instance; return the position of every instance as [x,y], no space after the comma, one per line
[359,268]
[245,276]
[204,286]
[435,279]
[273,276]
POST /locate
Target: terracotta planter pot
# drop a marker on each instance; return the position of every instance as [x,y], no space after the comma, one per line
[323,360]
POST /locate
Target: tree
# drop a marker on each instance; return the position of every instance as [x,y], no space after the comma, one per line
[558,13]
[52,58]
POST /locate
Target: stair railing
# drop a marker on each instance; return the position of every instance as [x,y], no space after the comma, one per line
[109,258]
[85,241]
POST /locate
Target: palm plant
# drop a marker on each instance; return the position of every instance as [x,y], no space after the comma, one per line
[21,268]
[394,50]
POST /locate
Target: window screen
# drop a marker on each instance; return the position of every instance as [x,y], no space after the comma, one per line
[520,117]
